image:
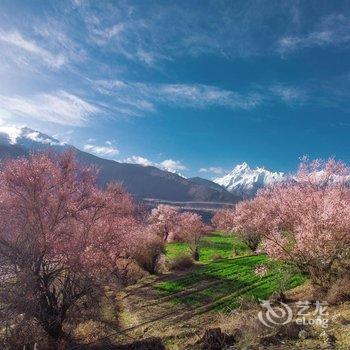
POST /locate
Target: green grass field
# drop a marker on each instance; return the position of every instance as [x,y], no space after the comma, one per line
[224,282]
[214,245]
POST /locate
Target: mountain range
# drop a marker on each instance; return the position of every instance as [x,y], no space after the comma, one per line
[146,182]
[143,182]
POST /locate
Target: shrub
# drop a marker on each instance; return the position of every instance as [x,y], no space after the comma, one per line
[149,253]
[182,262]
[22,332]
[339,291]
[127,272]
[90,331]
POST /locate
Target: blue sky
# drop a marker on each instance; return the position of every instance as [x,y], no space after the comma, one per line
[191,86]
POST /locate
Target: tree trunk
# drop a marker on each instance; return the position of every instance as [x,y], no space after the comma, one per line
[53,327]
[196,254]
[52,316]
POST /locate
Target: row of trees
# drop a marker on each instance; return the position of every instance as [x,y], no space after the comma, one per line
[304,221]
[61,237]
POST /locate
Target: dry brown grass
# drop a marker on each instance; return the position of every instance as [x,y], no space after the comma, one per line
[180,263]
[340,291]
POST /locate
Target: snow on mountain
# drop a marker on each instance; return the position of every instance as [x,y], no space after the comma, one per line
[244,181]
[26,137]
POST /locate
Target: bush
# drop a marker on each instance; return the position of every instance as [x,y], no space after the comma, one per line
[127,272]
[339,291]
[23,332]
[182,262]
[90,331]
[149,254]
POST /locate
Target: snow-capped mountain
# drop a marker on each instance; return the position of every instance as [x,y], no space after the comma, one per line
[26,137]
[244,181]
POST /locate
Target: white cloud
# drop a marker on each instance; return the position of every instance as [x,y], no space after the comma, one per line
[103,35]
[106,151]
[139,160]
[136,98]
[35,136]
[199,95]
[152,33]
[13,132]
[15,39]
[172,165]
[288,94]
[58,107]
[56,35]
[111,32]
[212,169]
[291,43]
[331,30]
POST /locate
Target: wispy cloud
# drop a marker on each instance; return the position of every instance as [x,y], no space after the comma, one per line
[199,95]
[104,35]
[212,169]
[59,107]
[150,33]
[16,40]
[331,30]
[139,98]
[289,94]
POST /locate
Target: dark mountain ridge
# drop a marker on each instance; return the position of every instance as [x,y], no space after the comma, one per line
[141,181]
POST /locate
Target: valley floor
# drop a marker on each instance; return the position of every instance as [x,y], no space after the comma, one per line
[221,290]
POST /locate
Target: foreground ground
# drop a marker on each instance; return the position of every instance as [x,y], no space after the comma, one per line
[221,290]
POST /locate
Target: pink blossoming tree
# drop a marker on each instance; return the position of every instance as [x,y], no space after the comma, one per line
[190,230]
[225,219]
[163,221]
[305,221]
[58,232]
[171,225]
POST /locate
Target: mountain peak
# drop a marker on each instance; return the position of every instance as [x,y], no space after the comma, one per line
[241,167]
[245,181]
[37,136]
[19,135]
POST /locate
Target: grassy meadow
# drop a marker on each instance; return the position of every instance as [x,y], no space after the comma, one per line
[179,305]
[224,275]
